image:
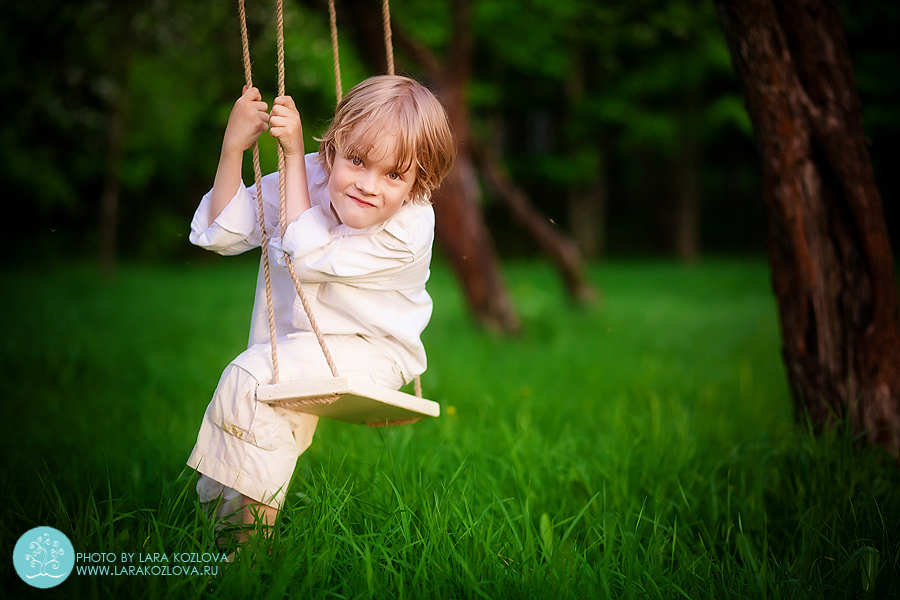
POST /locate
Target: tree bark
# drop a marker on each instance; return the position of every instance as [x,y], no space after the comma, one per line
[832,267]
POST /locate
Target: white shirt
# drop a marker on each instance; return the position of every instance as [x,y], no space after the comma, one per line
[369,281]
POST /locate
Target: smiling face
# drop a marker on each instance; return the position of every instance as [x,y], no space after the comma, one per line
[367,190]
[393,118]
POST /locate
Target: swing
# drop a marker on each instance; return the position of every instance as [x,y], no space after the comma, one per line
[348,399]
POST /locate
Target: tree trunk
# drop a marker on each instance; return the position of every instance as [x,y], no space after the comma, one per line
[588,198]
[109,201]
[832,267]
[687,181]
[587,216]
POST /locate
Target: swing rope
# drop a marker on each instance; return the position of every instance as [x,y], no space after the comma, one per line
[279,8]
[388,43]
[257,172]
[332,23]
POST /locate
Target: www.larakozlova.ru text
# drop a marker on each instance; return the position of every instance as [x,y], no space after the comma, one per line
[133,563]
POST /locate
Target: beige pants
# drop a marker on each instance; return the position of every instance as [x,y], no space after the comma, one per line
[251,448]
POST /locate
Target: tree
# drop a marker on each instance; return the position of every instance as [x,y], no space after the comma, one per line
[832,267]
[459,224]
[605,110]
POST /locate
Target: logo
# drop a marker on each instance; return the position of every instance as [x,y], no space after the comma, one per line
[43,557]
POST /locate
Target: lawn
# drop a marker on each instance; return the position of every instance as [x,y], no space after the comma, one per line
[641,448]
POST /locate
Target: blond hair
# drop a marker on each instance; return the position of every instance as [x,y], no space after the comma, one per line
[401,107]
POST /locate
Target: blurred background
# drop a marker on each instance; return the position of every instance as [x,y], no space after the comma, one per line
[621,120]
[655,427]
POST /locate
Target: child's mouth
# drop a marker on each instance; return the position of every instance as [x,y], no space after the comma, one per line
[362,202]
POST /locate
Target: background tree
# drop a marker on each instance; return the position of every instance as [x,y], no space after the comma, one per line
[832,266]
[448,65]
[540,98]
[460,226]
[606,112]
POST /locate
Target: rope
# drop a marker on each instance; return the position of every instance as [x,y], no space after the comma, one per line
[388,44]
[257,174]
[300,403]
[312,319]
[332,21]
[279,46]
[395,423]
[282,196]
[389,51]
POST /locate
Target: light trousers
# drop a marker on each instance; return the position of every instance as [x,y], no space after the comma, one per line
[250,447]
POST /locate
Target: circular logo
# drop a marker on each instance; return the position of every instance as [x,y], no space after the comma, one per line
[43,557]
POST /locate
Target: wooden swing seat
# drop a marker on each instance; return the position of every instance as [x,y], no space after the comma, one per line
[349,399]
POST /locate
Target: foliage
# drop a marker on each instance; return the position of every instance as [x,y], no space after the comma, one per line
[575,95]
[602,100]
[641,449]
[175,66]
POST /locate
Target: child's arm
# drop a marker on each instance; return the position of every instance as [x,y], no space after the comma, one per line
[286,127]
[247,121]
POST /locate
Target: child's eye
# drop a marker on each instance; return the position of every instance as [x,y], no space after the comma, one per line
[356,161]
[395,176]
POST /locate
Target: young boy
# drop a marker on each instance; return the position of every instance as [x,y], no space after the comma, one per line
[360,230]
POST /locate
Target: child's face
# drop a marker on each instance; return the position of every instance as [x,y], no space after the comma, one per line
[367,190]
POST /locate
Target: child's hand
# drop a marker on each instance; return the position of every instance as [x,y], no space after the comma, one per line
[248,119]
[286,127]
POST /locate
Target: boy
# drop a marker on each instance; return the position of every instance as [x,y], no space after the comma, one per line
[360,230]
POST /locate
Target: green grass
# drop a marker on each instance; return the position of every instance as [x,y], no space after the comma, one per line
[643,448]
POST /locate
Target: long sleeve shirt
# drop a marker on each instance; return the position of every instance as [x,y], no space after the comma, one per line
[369,282]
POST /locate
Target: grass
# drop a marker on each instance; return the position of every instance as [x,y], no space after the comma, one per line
[643,448]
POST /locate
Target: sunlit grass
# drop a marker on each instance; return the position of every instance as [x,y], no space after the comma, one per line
[642,448]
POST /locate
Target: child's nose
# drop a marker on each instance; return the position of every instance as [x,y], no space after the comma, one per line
[367,182]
